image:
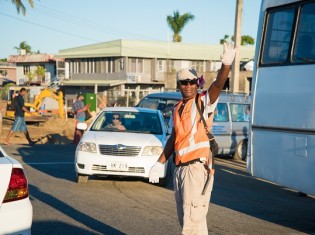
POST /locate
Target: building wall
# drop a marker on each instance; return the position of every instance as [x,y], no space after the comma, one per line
[146,70]
[22,78]
[8,71]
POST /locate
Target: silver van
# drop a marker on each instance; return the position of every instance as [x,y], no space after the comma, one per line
[231,119]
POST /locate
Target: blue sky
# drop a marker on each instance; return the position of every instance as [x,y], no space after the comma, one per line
[60,24]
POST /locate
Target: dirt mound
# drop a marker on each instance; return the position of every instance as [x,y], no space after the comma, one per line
[53,131]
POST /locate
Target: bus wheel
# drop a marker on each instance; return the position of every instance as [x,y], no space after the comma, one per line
[241,150]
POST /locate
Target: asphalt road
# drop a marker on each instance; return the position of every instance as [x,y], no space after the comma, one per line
[240,204]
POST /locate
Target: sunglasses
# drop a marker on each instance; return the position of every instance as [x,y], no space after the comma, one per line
[115,118]
[191,82]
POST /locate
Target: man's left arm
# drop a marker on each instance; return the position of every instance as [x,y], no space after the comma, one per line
[227,59]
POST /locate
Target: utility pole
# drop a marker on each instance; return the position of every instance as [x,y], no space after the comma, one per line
[237,37]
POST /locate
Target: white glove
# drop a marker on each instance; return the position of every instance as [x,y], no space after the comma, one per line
[228,53]
[155,172]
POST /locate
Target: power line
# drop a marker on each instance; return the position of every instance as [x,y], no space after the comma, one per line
[50,28]
[85,22]
[68,33]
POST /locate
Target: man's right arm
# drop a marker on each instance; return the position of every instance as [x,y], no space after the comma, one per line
[227,59]
[168,149]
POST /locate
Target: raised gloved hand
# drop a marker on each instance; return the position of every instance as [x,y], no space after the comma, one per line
[155,172]
[228,53]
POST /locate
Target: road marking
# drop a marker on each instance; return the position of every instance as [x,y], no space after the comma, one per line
[46,163]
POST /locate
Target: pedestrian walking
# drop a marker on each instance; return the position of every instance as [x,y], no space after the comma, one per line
[190,140]
[19,115]
[79,109]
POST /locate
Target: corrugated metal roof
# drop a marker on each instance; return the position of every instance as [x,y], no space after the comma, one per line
[152,49]
[30,58]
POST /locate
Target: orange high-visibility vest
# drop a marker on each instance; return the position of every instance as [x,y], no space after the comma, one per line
[191,140]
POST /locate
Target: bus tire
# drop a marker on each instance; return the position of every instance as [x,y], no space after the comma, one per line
[241,150]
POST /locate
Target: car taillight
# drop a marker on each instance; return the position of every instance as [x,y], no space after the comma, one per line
[17,189]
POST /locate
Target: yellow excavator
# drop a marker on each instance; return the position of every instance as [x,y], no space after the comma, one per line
[46,92]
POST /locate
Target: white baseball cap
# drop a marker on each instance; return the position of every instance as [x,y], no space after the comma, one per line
[186,73]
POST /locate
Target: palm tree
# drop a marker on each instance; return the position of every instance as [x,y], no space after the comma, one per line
[40,73]
[20,6]
[24,46]
[223,40]
[177,23]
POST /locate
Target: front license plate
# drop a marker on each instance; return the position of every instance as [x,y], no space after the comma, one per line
[118,166]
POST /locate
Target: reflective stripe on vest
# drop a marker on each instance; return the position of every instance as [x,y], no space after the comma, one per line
[191,140]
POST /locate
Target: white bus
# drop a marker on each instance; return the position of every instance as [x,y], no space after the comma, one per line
[281,145]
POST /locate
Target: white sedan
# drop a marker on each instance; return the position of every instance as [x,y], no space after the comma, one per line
[16,212]
[122,141]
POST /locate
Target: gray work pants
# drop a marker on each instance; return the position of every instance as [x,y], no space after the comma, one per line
[192,207]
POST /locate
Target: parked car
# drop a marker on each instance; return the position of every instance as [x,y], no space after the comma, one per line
[122,141]
[16,212]
[230,121]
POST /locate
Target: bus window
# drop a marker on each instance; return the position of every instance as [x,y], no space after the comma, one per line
[278,34]
[221,113]
[240,112]
[304,50]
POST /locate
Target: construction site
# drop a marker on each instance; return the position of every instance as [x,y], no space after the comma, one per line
[49,122]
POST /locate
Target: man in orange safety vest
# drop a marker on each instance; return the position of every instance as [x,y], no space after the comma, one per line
[194,173]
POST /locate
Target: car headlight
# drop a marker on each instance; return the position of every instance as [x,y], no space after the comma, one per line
[152,150]
[87,147]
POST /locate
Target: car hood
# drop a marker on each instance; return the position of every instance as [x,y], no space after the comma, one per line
[125,138]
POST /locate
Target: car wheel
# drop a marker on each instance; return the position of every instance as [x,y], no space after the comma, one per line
[82,178]
[241,150]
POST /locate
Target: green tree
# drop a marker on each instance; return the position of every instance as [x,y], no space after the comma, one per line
[40,73]
[224,39]
[246,40]
[21,7]
[24,46]
[30,77]
[177,22]
[5,90]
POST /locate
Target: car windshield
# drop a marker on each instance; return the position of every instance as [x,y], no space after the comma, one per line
[164,105]
[122,121]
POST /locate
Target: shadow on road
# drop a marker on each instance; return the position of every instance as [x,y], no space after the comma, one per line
[237,190]
[54,160]
[40,227]
[233,189]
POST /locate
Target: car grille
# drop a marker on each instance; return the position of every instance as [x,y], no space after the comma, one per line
[130,169]
[119,150]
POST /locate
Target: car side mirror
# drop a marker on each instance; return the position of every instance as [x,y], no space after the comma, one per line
[81,126]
